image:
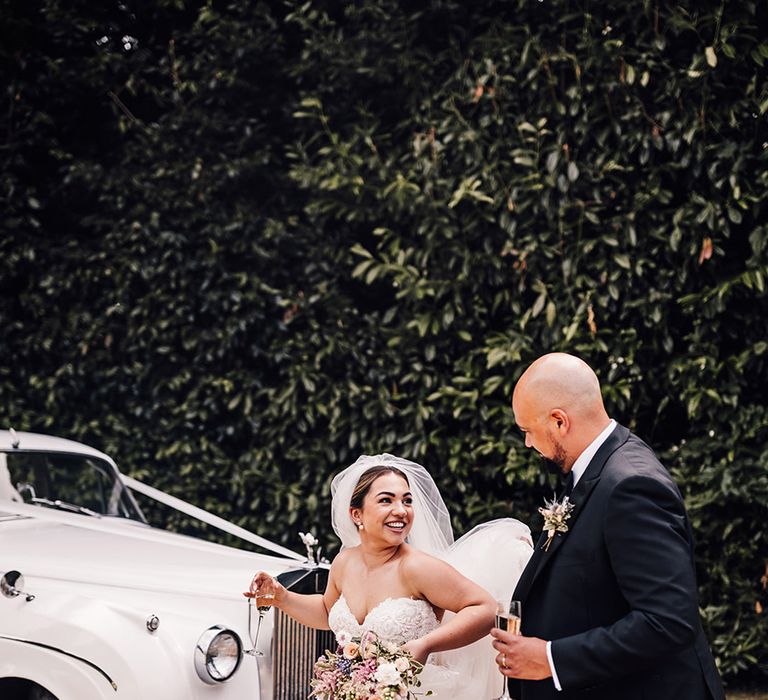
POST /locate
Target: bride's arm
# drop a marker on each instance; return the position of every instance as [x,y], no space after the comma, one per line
[444,587]
[308,609]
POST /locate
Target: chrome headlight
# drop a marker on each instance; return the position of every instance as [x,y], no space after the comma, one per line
[217,654]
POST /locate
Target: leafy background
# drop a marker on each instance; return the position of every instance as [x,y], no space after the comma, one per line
[243,243]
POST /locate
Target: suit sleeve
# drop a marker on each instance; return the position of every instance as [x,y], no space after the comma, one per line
[646,535]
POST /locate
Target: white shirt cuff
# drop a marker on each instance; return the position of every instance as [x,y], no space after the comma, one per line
[555,679]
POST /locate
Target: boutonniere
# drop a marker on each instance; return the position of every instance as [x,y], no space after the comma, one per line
[555,513]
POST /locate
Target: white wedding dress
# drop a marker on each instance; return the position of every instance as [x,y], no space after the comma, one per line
[493,555]
[397,621]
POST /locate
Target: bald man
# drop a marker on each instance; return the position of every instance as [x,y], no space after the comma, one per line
[610,608]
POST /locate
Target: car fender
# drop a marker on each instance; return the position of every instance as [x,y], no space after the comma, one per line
[65,676]
[108,639]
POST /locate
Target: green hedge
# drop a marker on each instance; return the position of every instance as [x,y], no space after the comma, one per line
[243,243]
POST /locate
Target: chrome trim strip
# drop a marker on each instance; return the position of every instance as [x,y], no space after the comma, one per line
[65,653]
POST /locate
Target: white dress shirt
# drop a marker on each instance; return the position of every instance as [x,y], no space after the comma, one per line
[578,469]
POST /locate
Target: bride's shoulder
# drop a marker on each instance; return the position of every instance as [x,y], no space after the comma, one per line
[344,557]
[416,562]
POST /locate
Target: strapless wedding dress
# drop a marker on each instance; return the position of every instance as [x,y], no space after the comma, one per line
[394,620]
[397,621]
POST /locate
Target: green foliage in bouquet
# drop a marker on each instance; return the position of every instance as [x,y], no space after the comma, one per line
[242,243]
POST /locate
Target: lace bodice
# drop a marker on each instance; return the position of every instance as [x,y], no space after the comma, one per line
[396,620]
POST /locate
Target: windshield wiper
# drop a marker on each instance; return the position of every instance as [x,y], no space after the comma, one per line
[63,505]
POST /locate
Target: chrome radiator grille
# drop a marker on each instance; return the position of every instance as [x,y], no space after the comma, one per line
[295,649]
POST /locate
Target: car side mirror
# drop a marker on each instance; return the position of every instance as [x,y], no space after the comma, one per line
[12,584]
[27,492]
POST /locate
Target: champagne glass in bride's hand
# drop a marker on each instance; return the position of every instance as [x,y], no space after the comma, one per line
[262,590]
[263,603]
[508,618]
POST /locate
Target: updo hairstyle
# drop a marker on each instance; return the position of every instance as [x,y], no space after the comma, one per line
[366,481]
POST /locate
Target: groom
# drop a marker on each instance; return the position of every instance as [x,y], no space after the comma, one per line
[609,606]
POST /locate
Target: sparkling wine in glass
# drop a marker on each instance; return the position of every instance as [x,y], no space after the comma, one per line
[508,618]
[263,603]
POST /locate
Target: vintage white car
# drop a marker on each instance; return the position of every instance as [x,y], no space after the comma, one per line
[97,604]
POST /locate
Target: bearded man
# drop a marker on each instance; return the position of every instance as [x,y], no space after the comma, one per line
[609,600]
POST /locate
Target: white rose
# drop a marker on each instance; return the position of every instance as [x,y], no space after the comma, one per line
[387,674]
[402,664]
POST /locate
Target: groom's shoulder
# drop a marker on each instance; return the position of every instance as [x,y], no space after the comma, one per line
[634,458]
[636,450]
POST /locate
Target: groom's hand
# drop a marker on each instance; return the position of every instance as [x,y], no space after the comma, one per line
[521,657]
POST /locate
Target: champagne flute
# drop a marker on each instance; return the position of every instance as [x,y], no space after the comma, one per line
[263,603]
[508,618]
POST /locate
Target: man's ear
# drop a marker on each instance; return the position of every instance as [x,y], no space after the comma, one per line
[560,419]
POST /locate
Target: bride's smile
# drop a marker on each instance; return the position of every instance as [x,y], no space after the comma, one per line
[397,524]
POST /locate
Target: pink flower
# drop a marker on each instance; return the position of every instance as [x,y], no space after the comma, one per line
[351,650]
[364,671]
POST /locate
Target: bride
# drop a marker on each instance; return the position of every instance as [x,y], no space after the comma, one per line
[398,576]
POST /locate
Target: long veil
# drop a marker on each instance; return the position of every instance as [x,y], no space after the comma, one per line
[493,555]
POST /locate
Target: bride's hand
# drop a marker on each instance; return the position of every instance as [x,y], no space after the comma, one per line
[266,590]
[418,650]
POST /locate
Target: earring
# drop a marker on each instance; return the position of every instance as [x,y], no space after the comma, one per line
[359,526]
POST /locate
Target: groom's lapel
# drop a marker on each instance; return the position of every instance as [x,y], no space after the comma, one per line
[579,498]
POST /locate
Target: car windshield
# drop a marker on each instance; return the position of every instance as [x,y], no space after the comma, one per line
[71,482]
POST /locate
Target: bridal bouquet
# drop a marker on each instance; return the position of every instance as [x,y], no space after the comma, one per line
[365,669]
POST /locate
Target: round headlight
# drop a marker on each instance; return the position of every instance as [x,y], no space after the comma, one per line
[217,654]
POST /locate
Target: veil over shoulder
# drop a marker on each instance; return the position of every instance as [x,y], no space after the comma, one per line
[493,555]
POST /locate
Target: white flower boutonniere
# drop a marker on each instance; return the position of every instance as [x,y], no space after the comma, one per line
[555,513]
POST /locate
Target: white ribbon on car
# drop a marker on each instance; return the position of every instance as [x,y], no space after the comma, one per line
[207,518]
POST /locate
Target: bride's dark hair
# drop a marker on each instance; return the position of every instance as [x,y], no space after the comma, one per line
[366,481]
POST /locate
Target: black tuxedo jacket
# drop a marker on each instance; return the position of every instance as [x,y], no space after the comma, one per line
[616,594]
